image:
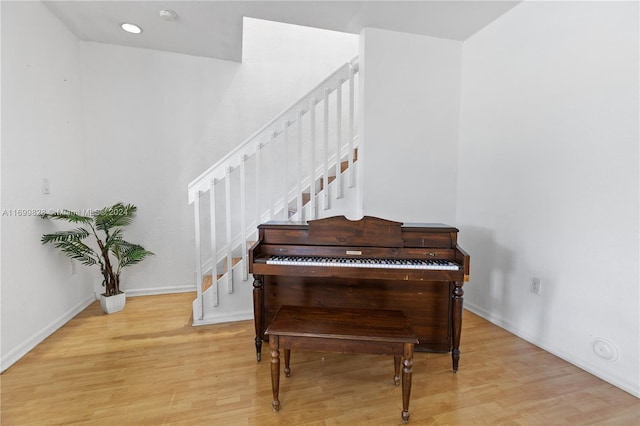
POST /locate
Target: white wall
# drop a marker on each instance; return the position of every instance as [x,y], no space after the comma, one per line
[411,102]
[548,179]
[144,117]
[41,138]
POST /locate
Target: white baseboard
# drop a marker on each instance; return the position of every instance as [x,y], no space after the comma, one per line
[159,290]
[14,355]
[627,386]
[222,318]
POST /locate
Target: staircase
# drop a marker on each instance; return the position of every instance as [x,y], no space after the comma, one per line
[300,166]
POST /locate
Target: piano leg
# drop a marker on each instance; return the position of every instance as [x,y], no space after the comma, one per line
[258,348]
[257,313]
[396,366]
[287,360]
[407,369]
[456,324]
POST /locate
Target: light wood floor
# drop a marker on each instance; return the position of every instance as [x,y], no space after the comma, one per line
[148,366]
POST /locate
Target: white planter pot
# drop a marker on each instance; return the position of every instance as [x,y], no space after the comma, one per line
[113,304]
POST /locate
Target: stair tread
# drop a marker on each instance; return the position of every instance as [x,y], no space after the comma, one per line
[330,179]
[207,281]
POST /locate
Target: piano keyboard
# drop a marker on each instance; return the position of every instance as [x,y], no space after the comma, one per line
[440,265]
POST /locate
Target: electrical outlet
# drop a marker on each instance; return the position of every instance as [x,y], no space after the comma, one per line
[535,286]
[46,189]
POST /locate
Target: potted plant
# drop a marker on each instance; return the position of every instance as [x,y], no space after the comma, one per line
[111,252]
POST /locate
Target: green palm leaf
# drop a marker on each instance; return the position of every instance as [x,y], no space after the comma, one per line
[69,216]
[134,255]
[117,215]
[114,239]
[72,235]
[78,251]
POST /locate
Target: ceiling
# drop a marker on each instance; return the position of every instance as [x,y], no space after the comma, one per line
[214,28]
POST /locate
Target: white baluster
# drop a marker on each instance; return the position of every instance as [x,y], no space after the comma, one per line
[312,171]
[227,202]
[214,250]
[243,216]
[285,171]
[325,146]
[338,184]
[270,171]
[351,123]
[199,277]
[299,168]
[258,178]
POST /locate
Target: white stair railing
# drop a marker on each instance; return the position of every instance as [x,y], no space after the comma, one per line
[289,167]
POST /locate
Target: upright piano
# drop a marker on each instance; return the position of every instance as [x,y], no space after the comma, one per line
[368,263]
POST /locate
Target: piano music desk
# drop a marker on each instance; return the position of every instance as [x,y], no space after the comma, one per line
[342,330]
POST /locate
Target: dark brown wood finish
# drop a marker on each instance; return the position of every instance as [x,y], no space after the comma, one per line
[432,299]
[342,330]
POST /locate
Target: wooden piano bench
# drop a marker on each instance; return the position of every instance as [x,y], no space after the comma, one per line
[342,330]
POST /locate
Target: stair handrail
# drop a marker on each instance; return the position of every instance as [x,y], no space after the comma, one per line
[202,183]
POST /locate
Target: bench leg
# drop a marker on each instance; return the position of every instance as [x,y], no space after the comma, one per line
[396,369]
[275,372]
[406,380]
[287,358]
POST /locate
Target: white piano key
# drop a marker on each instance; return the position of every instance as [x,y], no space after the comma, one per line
[436,265]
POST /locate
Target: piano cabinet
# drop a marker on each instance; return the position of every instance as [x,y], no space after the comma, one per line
[431,299]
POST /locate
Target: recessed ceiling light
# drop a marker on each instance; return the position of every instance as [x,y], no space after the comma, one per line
[131,28]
